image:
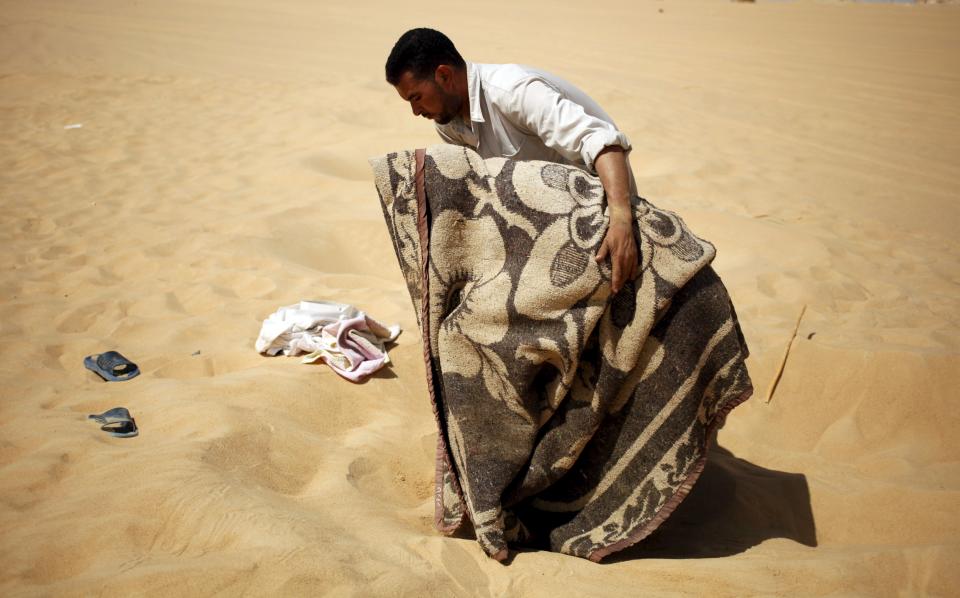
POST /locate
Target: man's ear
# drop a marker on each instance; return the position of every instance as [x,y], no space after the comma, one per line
[443,77]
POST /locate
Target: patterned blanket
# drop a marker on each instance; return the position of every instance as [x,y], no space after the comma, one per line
[568,418]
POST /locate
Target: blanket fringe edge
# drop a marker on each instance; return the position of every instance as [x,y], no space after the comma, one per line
[670,506]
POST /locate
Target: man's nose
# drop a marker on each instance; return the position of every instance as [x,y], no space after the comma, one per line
[416,109]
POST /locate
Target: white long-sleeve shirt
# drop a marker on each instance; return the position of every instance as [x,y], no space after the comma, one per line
[527,114]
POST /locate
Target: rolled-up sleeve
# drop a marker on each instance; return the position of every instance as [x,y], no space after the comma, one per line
[562,124]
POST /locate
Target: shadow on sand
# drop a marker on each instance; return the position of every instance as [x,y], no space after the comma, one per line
[735,505]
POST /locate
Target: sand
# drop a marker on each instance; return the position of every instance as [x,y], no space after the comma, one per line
[220,172]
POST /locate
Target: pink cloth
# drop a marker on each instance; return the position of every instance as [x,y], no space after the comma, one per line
[360,354]
[340,335]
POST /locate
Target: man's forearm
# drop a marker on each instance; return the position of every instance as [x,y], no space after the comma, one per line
[611,166]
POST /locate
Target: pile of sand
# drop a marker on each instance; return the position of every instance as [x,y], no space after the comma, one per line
[220,172]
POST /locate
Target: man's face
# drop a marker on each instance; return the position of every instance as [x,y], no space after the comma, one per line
[428,98]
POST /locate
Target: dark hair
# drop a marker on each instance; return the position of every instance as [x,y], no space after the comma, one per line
[421,51]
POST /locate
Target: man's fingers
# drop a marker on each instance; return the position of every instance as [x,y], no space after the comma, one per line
[603,251]
[625,268]
[623,259]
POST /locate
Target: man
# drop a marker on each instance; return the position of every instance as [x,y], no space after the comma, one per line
[518,112]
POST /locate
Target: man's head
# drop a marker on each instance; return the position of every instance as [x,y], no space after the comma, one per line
[427,71]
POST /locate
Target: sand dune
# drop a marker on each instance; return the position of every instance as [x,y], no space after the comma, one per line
[220,172]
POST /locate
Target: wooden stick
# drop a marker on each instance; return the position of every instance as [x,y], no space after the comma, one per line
[786,353]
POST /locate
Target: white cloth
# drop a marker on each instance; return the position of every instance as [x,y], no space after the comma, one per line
[347,339]
[527,114]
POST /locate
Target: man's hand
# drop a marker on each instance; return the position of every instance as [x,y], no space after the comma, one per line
[618,244]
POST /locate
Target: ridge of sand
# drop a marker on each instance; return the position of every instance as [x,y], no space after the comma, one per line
[220,172]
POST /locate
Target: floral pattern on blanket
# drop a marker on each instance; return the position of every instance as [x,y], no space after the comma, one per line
[568,418]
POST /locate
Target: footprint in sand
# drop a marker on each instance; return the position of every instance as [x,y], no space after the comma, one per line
[166,248]
[53,357]
[84,318]
[61,252]
[38,226]
[782,286]
[204,366]
[133,265]
[61,561]
[245,285]
[151,305]
[40,482]
[202,298]
[187,368]
[283,463]
[351,168]
[391,479]
[60,469]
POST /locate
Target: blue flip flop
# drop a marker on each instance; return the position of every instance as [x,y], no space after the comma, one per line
[117,422]
[111,366]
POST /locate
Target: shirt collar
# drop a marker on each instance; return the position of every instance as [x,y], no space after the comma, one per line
[473,90]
